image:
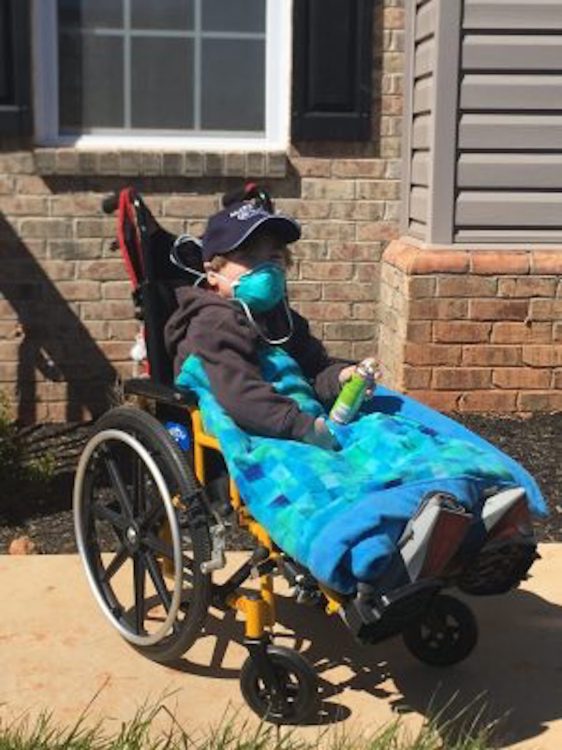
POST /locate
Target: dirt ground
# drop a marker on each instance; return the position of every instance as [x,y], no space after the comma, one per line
[44,512]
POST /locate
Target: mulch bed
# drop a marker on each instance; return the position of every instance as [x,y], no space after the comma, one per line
[44,513]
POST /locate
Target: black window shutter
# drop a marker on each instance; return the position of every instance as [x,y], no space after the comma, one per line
[15,52]
[332,69]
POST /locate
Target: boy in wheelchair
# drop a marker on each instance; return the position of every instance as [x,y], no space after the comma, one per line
[241,306]
[375,518]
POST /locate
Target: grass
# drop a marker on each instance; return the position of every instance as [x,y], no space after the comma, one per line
[138,734]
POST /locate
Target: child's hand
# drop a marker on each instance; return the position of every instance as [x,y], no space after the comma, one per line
[348,371]
[320,435]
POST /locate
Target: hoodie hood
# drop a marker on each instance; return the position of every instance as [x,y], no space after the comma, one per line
[192,300]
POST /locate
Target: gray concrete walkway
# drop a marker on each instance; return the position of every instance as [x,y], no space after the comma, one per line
[57,651]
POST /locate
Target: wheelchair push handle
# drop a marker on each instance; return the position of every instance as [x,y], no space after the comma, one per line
[110,203]
[250,191]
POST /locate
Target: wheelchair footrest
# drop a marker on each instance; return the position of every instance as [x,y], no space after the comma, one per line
[372,618]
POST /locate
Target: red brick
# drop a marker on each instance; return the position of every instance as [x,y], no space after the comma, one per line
[558,380]
[543,356]
[421,286]
[460,378]
[354,251]
[493,309]
[546,309]
[466,286]
[349,330]
[438,309]
[528,286]
[304,292]
[446,401]
[366,168]
[79,290]
[76,204]
[432,354]
[102,270]
[515,333]
[521,377]
[400,255]
[497,401]
[440,261]
[486,355]
[348,292]
[546,261]
[325,310]
[461,332]
[499,263]
[377,230]
[416,377]
[116,290]
[557,332]
[547,401]
[190,206]
[326,271]
[419,330]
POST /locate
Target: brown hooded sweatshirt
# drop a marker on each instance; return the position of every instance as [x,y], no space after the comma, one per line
[218,332]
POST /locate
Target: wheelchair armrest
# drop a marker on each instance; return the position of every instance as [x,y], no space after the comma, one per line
[165,394]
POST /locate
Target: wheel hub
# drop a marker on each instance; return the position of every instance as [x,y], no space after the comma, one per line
[132,537]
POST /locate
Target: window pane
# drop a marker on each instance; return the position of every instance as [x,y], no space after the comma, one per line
[233,90]
[233,15]
[88,13]
[162,87]
[164,14]
[90,81]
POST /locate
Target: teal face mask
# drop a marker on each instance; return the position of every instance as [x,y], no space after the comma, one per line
[262,288]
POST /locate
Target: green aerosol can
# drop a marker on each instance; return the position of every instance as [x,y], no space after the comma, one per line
[353,392]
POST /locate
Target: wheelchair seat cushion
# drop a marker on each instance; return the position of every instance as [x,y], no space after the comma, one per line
[341,513]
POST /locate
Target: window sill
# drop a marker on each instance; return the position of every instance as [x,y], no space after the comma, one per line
[142,163]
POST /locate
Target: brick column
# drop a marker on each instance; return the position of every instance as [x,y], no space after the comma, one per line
[473,330]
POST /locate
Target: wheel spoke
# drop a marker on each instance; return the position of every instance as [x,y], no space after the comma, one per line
[120,556]
[152,515]
[104,513]
[158,545]
[139,573]
[138,486]
[119,486]
[158,581]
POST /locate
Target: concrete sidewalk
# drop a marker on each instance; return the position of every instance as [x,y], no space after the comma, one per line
[57,651]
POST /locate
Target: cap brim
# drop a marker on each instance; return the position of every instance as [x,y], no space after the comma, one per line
[284,226]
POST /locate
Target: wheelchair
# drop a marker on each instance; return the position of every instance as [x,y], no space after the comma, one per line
[153,503]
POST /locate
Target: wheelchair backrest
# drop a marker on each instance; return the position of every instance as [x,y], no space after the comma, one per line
[146,249]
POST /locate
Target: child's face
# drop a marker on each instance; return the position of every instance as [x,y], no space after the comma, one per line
[266,248]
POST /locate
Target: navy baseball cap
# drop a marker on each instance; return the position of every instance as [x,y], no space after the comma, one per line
[227,229]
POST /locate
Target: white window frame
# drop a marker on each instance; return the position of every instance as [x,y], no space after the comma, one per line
[277,99]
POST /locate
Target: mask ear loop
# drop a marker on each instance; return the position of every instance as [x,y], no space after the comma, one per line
[272,342]
[177,262]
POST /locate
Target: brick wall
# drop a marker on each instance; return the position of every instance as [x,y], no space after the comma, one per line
[66,324]
[474,330]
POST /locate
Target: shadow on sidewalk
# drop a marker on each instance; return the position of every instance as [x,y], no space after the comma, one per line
[514,677]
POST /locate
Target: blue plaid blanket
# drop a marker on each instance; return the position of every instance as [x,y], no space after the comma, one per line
[341,513]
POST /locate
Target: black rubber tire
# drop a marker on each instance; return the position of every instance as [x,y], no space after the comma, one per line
[195,537]
[300,687]
[445,635]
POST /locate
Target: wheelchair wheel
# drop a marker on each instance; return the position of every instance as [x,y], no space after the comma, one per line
[445,634]
[299,687]
[142,534]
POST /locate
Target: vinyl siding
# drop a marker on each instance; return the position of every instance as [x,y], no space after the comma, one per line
[509,137]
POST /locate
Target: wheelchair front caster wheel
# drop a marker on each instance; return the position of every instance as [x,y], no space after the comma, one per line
[444,635]
[297,696]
